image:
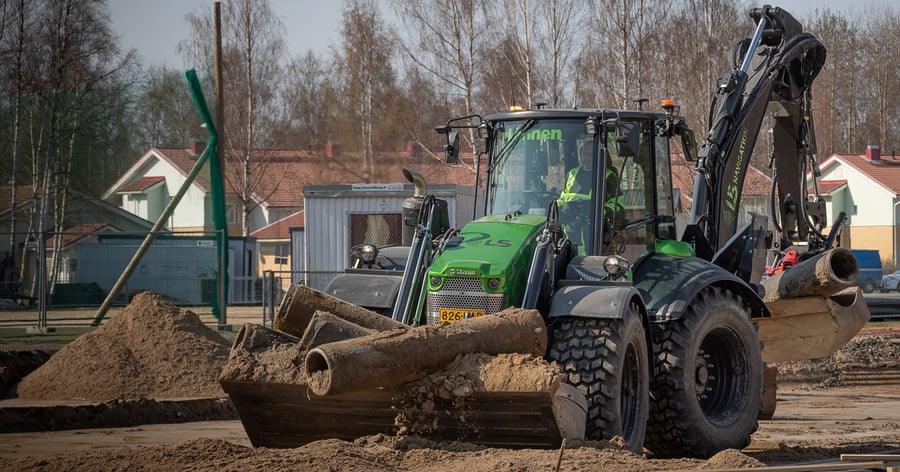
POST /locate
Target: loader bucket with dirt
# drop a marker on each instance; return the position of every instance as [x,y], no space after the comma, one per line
[354,373]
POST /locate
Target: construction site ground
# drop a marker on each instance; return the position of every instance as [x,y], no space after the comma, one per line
[847,404]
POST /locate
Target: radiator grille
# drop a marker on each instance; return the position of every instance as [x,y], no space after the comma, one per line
[463,294]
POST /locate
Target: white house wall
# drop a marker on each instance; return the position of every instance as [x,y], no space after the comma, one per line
[873,202]
[190,210]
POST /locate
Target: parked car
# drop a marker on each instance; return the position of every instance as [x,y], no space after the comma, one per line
[890,281]
[869,269]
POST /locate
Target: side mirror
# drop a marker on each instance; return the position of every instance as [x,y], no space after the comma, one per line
[628,139]
[451,149]
[689,145]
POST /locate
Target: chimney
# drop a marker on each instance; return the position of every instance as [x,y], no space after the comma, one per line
[414,149]
[333,149]
[873,153]
[197,147]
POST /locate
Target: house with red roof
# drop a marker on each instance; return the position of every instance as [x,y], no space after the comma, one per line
[274,247]
[84,216]
[148,185]
[867,188]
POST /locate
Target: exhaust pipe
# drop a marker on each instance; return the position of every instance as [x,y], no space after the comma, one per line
[412,205]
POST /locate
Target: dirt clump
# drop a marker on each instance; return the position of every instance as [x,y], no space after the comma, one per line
[265,355]
[152,349]
[732,459]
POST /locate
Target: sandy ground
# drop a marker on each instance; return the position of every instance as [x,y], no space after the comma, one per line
[836,418]
[808,426]
[812,423]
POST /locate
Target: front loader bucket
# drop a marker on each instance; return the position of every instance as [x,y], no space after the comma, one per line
[811,327]
[269,380]
[288,415]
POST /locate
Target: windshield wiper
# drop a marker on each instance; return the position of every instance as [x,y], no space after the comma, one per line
[514,138]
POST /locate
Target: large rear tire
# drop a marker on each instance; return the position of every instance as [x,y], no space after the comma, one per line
[608,361]
[707,390]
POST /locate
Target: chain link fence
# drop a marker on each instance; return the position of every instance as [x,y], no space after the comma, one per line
[64,280]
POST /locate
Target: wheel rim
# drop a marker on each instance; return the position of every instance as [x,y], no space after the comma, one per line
[630,395]
[719,375]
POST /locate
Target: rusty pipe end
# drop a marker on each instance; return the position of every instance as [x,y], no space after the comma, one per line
[843,265]
[318,372]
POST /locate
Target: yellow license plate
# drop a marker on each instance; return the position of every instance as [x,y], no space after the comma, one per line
[447,315]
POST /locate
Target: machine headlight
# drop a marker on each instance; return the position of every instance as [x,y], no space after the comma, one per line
[367,252]
[615,266]
[493,284]
[435,281]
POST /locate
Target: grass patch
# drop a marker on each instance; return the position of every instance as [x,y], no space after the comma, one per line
[61,335]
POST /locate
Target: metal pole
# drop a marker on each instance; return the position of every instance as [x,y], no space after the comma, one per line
[145,245]
[223,303]
[42,282]
[267,296]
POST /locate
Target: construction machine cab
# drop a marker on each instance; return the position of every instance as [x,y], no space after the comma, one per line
[534,167]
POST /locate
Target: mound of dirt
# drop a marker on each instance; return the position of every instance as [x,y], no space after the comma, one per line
[152,349]
[863,352]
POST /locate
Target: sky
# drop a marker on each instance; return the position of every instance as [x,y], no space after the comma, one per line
[154,28]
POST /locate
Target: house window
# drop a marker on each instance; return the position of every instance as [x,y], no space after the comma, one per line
[853,212]
[282,251]
[233,212]
[381,229]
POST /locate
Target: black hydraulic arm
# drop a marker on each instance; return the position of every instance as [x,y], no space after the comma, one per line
[773,72]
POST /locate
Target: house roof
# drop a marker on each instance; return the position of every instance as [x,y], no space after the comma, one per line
[78,232]
[142,184]
[828,186]
[280,229]
[80,206]
[24,193]
[280,182]
[885,172]
[756,183]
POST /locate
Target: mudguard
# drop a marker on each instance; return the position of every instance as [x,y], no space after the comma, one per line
[667,285]
[371,289]
[599,301]
[592,301]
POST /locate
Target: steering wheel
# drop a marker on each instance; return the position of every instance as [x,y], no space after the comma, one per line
[627,231]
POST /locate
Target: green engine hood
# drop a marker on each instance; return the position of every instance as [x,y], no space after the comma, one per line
[496,249]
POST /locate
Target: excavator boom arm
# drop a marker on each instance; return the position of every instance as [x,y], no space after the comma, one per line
[773,74]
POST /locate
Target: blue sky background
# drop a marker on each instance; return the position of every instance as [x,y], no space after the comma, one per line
[156,27]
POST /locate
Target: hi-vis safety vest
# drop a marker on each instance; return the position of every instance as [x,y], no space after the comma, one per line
[568,195]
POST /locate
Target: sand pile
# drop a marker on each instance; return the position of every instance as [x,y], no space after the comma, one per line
[152,349]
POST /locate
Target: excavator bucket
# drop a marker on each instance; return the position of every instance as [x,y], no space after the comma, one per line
[481,380]
[815,308]
[811,327]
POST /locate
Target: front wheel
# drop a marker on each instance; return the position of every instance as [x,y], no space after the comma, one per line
[707,390]
[607,360]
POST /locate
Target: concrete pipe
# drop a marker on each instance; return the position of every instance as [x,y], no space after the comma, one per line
[823,275]
[301,302]
[396,357]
